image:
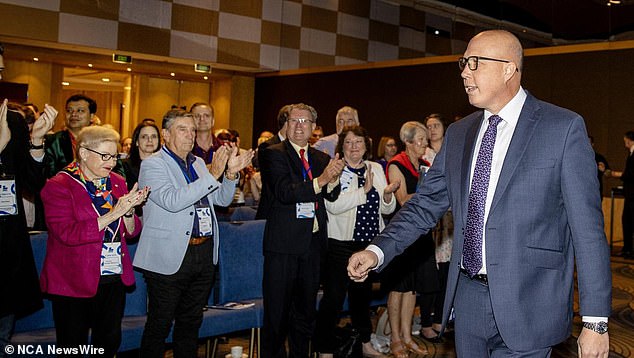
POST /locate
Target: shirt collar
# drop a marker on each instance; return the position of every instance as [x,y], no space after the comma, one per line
[185,164]
[511,111]
[297,148]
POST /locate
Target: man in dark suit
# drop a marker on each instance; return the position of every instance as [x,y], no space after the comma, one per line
[60,146]
[266,196]
[298,178]
[520,178]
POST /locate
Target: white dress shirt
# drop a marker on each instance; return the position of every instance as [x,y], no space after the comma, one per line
[510,114]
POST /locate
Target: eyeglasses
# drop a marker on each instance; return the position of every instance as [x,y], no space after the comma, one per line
[104,156]
[295,121]
[472,62]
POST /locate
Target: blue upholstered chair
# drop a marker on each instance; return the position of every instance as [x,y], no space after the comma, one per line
[135,313]
[37,328]
[240,268]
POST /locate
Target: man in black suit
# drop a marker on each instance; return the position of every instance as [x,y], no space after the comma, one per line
[298,179]
[266,199]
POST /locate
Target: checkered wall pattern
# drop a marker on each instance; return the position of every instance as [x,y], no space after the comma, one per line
[258,34]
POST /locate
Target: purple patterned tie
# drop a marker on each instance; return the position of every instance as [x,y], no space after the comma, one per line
[472,251]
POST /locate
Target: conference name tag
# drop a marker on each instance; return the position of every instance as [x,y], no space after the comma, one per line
[305,210]
[111,258]
[8,199]
[205,223]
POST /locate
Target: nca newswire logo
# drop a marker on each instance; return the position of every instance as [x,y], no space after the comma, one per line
[35,349]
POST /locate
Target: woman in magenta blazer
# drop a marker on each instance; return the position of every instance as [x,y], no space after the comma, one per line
[89,214]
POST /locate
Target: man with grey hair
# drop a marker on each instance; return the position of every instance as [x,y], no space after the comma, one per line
[178,247]
[297,179]
[346,116]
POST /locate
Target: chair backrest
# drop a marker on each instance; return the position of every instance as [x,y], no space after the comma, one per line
[136,298]
[243,213]
[241,261]
[43,318]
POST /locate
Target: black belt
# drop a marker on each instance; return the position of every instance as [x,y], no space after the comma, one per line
[482,278]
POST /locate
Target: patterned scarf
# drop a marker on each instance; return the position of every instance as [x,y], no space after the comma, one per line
[102,197]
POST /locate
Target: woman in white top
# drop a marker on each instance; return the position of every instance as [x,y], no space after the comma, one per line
[354,219]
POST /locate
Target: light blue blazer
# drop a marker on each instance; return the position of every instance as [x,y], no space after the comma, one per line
[168,215]
[545,215]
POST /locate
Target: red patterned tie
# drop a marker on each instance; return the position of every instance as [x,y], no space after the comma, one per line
[307,170]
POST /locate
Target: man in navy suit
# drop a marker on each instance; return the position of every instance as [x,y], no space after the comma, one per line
[298,178]
[540,211]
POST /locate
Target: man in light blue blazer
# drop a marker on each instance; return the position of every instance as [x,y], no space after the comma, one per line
[511,275]
[178,247]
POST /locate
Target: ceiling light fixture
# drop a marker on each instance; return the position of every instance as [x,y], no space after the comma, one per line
[129,69]
[35,59]
[105,79]
[205,78]
[172,74]
[65,83]
[90,65]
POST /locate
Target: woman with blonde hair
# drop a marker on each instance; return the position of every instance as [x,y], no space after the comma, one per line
[89,214]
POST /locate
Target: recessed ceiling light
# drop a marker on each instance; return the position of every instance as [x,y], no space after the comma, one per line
[90,65]
[172,74]
[105,79]
[35,59]
[205,78]
[129,69]
[436,32]
[65,83]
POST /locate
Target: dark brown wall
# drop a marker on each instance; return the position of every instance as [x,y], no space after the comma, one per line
[597,85]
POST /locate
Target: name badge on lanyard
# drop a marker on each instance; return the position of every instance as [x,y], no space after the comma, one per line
[305,210]
[205,220]
[111,258]
[8,198]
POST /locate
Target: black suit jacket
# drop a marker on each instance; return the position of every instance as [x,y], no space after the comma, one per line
[18,278]
[265,196]
[282,177]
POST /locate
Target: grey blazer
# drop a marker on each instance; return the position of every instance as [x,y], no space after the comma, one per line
[168,215]
[546,212]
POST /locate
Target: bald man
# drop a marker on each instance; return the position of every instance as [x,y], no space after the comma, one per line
[521,179]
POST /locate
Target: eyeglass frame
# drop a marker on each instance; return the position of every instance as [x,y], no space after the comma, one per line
[104,155]
[466,60]
[300,121]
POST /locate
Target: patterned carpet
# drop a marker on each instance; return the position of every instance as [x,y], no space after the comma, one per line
[621,325]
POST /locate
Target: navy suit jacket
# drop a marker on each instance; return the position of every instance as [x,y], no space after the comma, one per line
[282,178]
[546,211]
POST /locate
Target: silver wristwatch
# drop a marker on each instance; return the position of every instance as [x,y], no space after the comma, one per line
[599,327]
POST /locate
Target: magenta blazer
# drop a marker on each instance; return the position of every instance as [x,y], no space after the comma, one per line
[73,250]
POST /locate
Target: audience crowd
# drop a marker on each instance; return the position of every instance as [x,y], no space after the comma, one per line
[166,186]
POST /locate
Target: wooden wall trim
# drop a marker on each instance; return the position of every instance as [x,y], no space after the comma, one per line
[542,51]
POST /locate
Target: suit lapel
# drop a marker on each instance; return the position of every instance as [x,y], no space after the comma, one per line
[296,163]
[467,156]
[174,168]
[519,143]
